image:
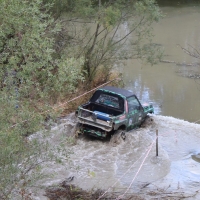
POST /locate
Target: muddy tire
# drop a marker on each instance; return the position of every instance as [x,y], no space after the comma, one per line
[122,133]
[148,121]
[118,137]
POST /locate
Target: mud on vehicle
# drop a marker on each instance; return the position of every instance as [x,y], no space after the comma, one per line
[111,109]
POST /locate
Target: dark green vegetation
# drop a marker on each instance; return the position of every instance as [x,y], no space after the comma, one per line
[46,52]
[30,79]
[177,2]
[100,32]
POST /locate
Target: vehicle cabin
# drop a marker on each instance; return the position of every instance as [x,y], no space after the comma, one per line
[111,109]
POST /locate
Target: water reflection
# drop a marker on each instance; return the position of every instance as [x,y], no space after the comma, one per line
[167,85]
[144,94]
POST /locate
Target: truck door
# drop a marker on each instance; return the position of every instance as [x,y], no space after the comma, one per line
[135,112]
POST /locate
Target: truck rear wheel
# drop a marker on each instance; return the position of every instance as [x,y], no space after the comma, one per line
[118,137]
[121,133]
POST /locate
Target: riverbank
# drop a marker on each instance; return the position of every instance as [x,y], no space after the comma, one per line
[131,166]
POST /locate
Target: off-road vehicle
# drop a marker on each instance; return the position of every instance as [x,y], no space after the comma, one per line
[111,109]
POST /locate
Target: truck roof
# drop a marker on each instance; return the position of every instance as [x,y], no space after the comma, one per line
[120,91]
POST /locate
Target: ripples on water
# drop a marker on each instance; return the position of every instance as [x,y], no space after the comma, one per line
[110,164]
[167,85]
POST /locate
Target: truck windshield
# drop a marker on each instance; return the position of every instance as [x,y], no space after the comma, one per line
[133,104]
[108,99]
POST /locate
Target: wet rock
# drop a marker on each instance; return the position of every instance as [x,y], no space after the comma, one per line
[66,182]
[196,157]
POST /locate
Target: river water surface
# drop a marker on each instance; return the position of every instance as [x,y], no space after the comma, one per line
[131,165]
[165,84]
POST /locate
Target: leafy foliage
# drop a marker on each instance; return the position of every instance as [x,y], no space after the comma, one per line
[30,76]
[43,59]
[104,32]
[27,47]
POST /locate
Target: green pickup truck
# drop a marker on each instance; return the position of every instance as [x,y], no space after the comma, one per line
[111,109]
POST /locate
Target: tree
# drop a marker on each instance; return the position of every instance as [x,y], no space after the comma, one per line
[104,32]
[30,76]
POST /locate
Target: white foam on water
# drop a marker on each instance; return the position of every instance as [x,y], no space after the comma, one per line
[101,164]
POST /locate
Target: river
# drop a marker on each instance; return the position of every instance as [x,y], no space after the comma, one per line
[131,166]
[166,84]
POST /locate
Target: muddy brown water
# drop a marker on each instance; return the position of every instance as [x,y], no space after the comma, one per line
[166,84]
[131,166]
